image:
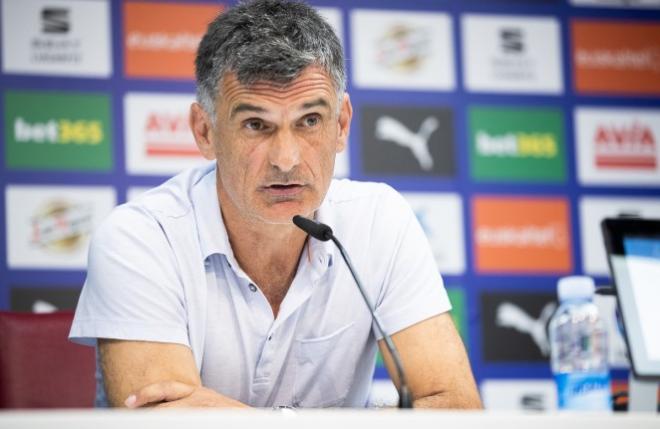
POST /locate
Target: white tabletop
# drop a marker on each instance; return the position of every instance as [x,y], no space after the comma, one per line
[319,419]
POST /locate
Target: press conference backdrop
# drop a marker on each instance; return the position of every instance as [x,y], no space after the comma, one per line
[512,127]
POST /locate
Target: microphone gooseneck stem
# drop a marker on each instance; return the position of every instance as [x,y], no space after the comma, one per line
[405,399]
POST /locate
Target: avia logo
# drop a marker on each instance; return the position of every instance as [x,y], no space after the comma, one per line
[511,40]
[509,315]
[517,145]
[160,41]
[55,20]
[61,226]
[390,129]
[403,48]
[530,236]
[62,131]
[625,147]
[168,134]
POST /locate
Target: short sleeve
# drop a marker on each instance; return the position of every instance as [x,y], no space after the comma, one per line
[413,289]
[133,290]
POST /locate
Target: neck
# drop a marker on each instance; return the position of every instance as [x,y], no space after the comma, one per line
[268,253]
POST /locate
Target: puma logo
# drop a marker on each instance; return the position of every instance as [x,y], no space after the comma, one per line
[509,315]
[390,129]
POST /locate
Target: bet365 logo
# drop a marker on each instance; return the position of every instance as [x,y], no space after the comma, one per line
[59,131]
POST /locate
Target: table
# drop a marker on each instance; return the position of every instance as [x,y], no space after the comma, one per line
[320,419]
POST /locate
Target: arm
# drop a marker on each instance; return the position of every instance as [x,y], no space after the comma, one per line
[139,373]
[435,363]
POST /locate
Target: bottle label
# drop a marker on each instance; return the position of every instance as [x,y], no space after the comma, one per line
[584,391]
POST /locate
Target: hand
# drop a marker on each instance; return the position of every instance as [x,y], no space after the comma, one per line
[171,394]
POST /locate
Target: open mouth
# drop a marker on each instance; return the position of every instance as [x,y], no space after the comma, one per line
[290,186]
[284,189]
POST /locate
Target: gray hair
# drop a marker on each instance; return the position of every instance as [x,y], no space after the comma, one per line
[266,40]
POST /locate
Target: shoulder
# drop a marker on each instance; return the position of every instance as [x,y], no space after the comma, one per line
[172,199]
[146,214]
[366,206]
[350,192]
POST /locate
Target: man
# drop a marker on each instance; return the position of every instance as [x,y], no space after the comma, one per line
[203,293]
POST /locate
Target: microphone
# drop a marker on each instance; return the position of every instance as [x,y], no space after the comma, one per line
[323,232]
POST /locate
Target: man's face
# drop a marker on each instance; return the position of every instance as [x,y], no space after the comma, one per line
[275,145]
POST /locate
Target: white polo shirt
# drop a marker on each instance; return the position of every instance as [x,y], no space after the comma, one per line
[161,269]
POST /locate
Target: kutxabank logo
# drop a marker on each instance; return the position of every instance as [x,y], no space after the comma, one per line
[616,57]
[160,39]
[521,234]
[641,4]
[408,141]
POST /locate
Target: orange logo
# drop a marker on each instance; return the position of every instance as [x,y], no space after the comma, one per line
[521,235]
[616,57]
[161,39]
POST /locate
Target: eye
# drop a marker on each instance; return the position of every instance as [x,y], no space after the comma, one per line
[311,120]
[254,124]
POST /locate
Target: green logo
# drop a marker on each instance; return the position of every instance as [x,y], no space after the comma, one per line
[517,144]
[57,131]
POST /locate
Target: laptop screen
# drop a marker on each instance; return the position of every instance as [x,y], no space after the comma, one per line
[633,249]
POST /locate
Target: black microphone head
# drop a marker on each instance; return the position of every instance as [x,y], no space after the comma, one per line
[320,231]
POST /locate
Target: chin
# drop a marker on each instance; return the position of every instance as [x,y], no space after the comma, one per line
[282,213]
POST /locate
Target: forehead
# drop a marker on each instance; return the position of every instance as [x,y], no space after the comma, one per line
[312,83]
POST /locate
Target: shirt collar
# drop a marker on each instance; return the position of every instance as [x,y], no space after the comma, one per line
[213,237]
[322,250]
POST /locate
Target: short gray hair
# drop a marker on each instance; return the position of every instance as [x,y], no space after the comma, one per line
[266,40]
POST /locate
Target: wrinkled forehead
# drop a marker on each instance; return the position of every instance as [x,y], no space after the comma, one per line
[312,82]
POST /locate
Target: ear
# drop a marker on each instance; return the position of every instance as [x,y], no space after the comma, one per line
[345,116]
[202,130]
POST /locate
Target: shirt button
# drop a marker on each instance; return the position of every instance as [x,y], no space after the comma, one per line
[253,288]
[270,337]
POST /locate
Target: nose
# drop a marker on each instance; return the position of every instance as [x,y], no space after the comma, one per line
[284,151]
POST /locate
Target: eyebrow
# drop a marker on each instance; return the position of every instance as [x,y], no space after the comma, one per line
[316,103]
[245,107]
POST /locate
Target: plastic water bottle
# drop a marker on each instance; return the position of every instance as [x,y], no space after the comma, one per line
[578,348]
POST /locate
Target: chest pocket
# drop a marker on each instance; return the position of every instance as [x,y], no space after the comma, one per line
[325,368]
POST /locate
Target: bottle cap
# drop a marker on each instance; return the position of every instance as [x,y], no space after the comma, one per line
[575,287]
